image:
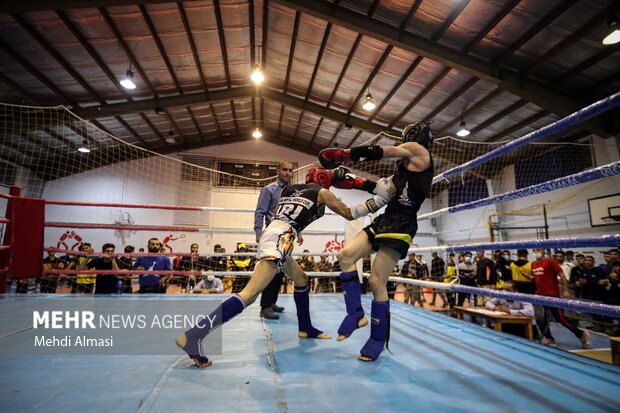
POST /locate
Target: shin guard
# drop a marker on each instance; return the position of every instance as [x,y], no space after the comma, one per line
[229,309]
[302,302]
[379,330]
[353,300]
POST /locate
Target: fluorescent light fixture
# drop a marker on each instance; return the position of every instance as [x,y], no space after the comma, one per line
[614,32]
[257,133]
[170,137]
[128,83]
[369,105]
[83,148]
[463,131]
[257,76]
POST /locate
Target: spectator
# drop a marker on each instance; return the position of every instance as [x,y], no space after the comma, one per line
[421,268]
[503,266]
[242,263]
[126,263]
[70,262]
[513,308]
[485,271]
[84,283]
[566,267]
[438,272]
[451,275]
[610,258]
[323,283]
[523,280]
[209,285]
[590,280]
[194,263]
[219,263]
[306,263]
[467,275]
[613,287]
[576,274]
[153,283]
[546,272]
[593,284]
[106,283]
[412,292]
[569,257]
[49,282]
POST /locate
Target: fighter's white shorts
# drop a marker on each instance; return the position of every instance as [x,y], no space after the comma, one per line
[276,243]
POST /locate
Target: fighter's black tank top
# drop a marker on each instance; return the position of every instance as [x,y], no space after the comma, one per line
[412,188]
[298,207]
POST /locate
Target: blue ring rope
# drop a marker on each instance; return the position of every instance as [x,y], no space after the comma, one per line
[571,120]
[600,172]
[569,304]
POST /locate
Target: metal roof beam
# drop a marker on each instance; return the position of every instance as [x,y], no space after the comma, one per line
[522,86]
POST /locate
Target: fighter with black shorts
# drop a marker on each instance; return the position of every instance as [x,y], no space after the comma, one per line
[390,234]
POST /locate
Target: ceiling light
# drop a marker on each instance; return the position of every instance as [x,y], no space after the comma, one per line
[257,76]
[614,32]
[369,105]
[170,138]
[463,131]
[257,133]
[128,83]
[83,147]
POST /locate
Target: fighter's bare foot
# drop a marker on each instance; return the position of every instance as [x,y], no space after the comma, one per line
[322,336]
[363,322]
[363,358]
[198,360]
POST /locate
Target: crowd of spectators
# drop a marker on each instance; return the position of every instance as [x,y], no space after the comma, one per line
[583,277]
[565,274]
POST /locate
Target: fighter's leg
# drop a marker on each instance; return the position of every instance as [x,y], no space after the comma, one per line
[359,247]
[302,300]
[384,263]
[191,340]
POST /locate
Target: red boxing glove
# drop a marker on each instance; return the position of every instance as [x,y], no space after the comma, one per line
[330,158]
[343,178]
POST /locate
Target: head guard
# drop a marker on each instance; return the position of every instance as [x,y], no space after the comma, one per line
[419,132]
[319,176]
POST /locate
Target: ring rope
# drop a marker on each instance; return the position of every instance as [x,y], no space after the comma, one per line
[559,183]
[170,228]
[566,303]
[592,241]
[179,254]
[164,272]
[155,206]
[573,119]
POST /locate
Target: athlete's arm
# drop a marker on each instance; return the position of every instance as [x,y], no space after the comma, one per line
[328,198]
[419,158]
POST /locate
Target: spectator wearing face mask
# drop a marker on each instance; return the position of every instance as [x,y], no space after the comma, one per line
[503,266]
[467,275]
[522,277]
[210,285]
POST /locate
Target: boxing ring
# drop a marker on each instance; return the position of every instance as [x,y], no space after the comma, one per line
[436,364]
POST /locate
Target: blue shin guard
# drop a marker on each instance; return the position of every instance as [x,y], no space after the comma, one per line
[379,330]
[229,309]
[302,302]
[353,300]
